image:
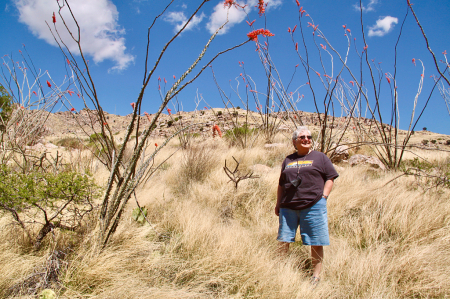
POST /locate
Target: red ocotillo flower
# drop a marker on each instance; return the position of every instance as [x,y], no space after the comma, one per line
[254,34]
[298,3]
[445,52]
[169,111]
[414,61]
[228,3]
[302,11]
[387,78]
[348,30]
[289,29]
[365,47]
[353,83]
[70,92]
[261,7]
[49,84]
[293,29]
[296,46]
[323,47]
[54,18]
[68,61]
[35,93]
[250,24]
[216,129]
[148,116]
[156,144]
[73,109]
[133,105]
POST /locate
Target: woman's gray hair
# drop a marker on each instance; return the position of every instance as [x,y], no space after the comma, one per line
[299,130]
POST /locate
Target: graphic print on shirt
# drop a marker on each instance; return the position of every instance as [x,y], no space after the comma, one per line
[300,164]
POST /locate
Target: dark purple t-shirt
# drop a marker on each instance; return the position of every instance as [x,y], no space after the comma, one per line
[314,169]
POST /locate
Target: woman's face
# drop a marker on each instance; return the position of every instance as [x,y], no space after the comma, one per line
[303,143]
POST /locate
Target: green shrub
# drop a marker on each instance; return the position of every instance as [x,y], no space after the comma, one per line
[71,143]
[169,123]
[433,141]
[219,113]
[5,106]
[46,199]
[447,142]
[240,135]
[425,141]
[96,137]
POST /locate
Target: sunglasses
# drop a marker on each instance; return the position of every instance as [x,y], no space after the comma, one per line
[303,137]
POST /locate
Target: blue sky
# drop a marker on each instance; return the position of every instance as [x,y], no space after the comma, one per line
[115,35]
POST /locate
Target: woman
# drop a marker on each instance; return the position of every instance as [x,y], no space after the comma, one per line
[305,182]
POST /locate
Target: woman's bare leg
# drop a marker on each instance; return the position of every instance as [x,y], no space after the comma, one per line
[317,258]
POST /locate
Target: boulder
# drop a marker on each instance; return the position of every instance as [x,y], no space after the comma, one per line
[368,160]
[50,145]
[340,153]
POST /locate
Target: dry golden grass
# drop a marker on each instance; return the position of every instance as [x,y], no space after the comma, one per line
[211,240]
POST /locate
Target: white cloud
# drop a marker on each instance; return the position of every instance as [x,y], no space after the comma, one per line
[235,15]
[101,36]
[383,26]
[179,19]
[369,7]
[219,17]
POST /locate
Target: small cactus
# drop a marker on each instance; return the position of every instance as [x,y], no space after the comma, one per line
[139,215]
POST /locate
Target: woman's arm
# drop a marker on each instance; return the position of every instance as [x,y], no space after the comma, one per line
[328,186]
[279,195]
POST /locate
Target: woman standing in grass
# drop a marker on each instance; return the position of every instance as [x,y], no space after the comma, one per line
[305,182]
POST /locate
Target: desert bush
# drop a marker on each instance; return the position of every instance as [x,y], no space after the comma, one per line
[428,173]
[424,141]
[47,200]
[71,143]
[197,164]
[5,107]
[241,136]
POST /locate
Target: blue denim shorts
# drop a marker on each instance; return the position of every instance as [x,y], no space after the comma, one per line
[313,224]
